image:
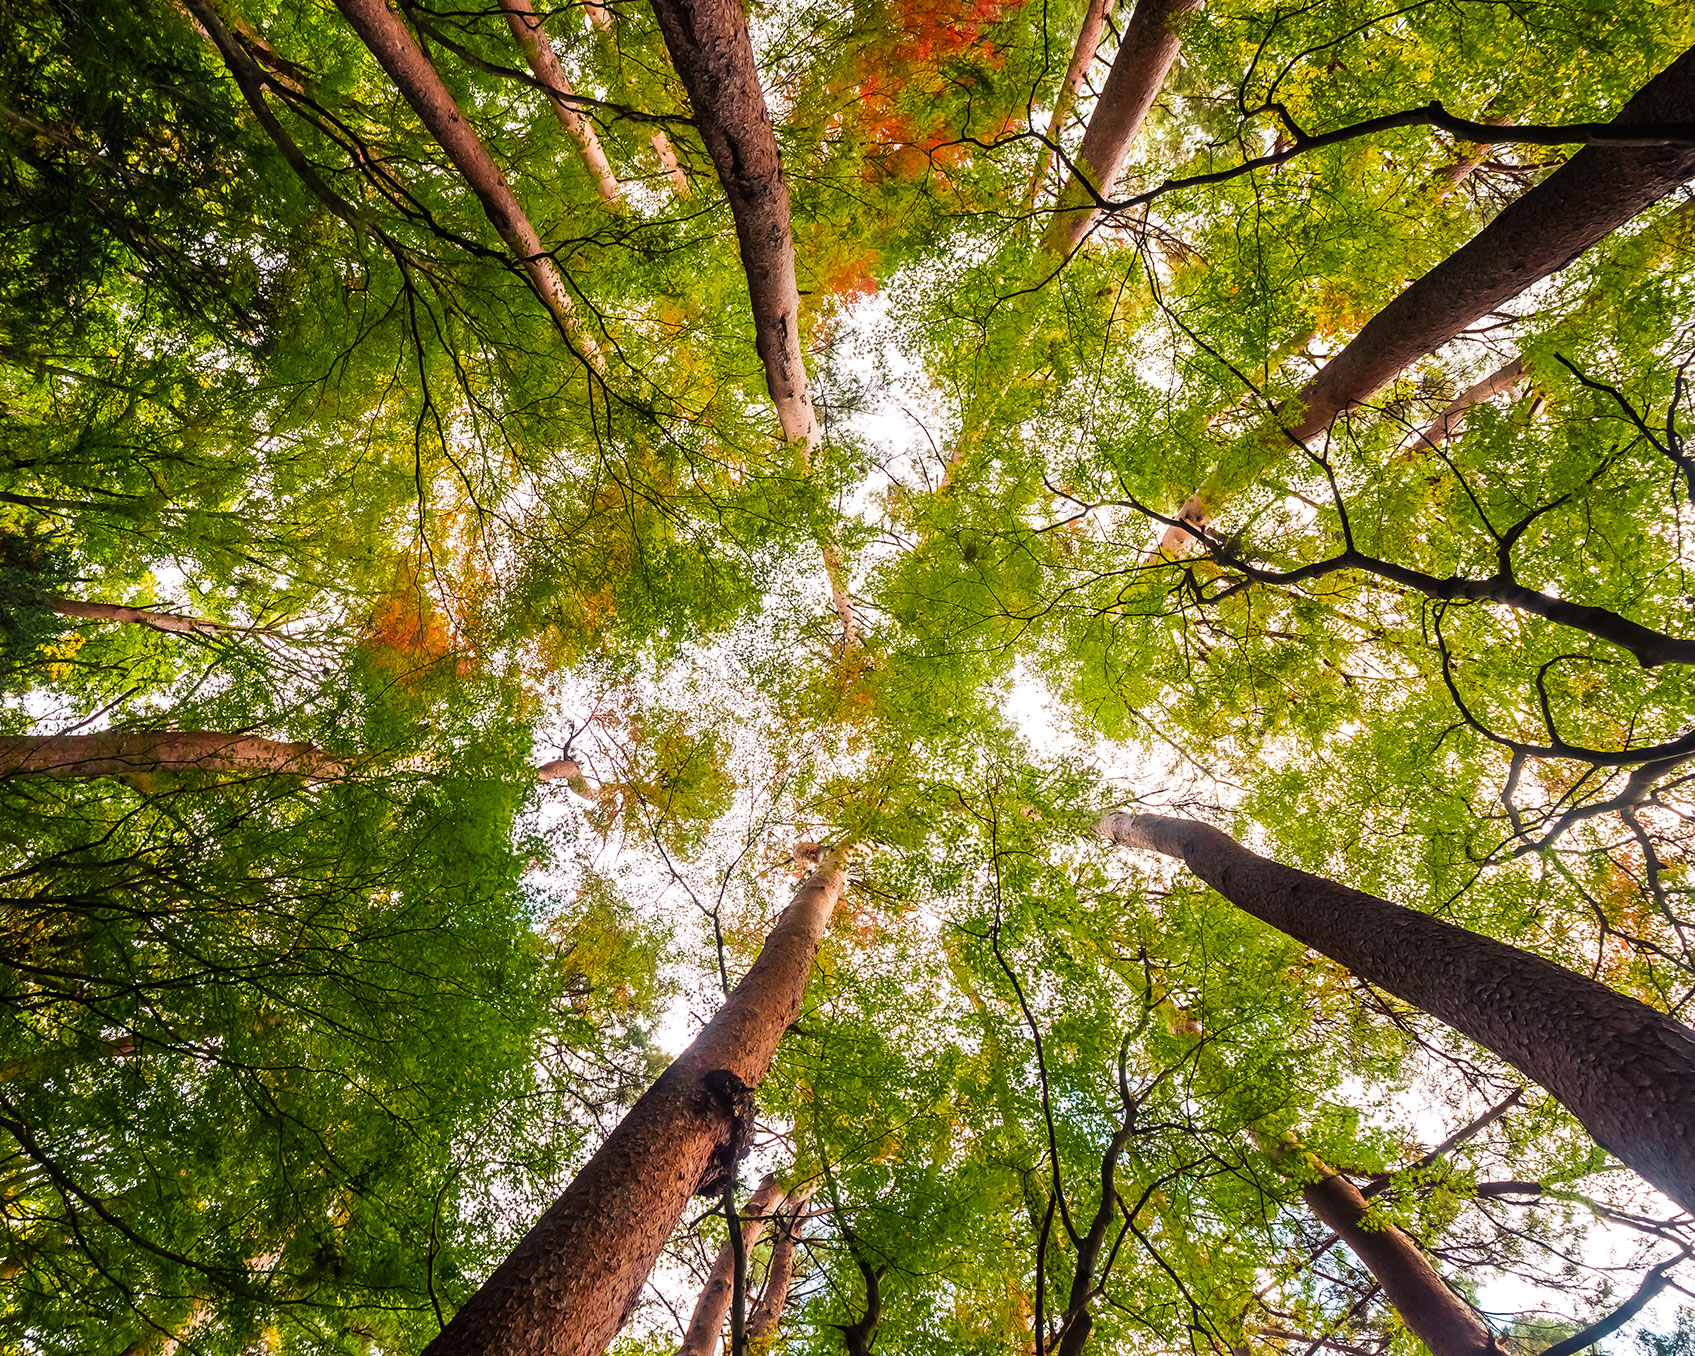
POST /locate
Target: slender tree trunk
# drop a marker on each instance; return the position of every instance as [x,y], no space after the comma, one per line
[712,53]
[544,64]
[601,18]
[119,753]
[1592,194]
[397,51]
[1088,43]
[567,1286]
[1146,54]
[706,1324]
[159,621]
[1447,424]
[1626,1071]
[768,1313]
[1432,1312]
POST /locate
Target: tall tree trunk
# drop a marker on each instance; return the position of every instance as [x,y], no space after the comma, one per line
[706,1324]
[397,51]
[1447,424]
[1538,234]
[768,1313]
[1146,54]
[140,616]
[712,53]
[601,18]
[1432,1312]
[120,753]
[1082,56]
[1626,1071]
[544,64]
[567,1286]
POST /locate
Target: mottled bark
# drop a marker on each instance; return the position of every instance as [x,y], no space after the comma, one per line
[566,1287]
[713,55]
[544,64]
[768,1313]
[397,51]
[1082,55]
[1625,1070]
[120,753]
[140,616]
[1145,55]
[1432,1312]
[1592,194]
[706,1324]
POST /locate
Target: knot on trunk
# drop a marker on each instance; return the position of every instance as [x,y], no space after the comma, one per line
[726,1089]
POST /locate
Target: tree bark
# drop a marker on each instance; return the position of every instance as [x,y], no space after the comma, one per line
[1432,1312]
[120,753]
[544,64]
[1145,55]
[397,51]
[159,621]
[768,1313]
[1088,43]
[712,53]
[1626,1071]
[1592,194]
[566,1287]
[706,1324]
[1447,424]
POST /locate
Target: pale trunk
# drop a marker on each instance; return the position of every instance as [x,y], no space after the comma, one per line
[140,616]
[1625,1070]
[1088,43]
[706,1324]
[544,65]
[601,17]
[768,1313]
[116,753]
[567,1286]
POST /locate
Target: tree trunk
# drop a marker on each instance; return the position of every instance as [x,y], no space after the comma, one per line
[120,753]
[159,621]
[601,18]
[1592,194]
[706,1325]
[1626,1071]
[544,65]
[768,1313]
[712,53]
[397,51]
[1447,424]
[566,1287]
[1146,54]
[1088,43]
[1432,1312]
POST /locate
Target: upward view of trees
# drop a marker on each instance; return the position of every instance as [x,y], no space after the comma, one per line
[910,676]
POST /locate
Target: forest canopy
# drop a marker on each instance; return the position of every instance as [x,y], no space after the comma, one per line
[872,676]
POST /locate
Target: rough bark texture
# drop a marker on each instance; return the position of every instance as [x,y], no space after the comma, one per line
[397,51]
[1626,1071]
[768,1313]
[140,616]
[118,753]
[706,1324]
[1592,194]
[710,48]
[1088,43]
[566,1287]
[544,65]
[1432,1312]
[1144,57]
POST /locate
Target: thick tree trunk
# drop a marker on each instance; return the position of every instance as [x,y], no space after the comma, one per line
[768,1313]
[601,17]
[1592,194]
[566,1287]
[1088,43]
[397,51]
[118,753]
[1432,1312]
[1626,1071]
[1146,54]
[140,616]
[544,65]
[706,1324]
[712,53]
